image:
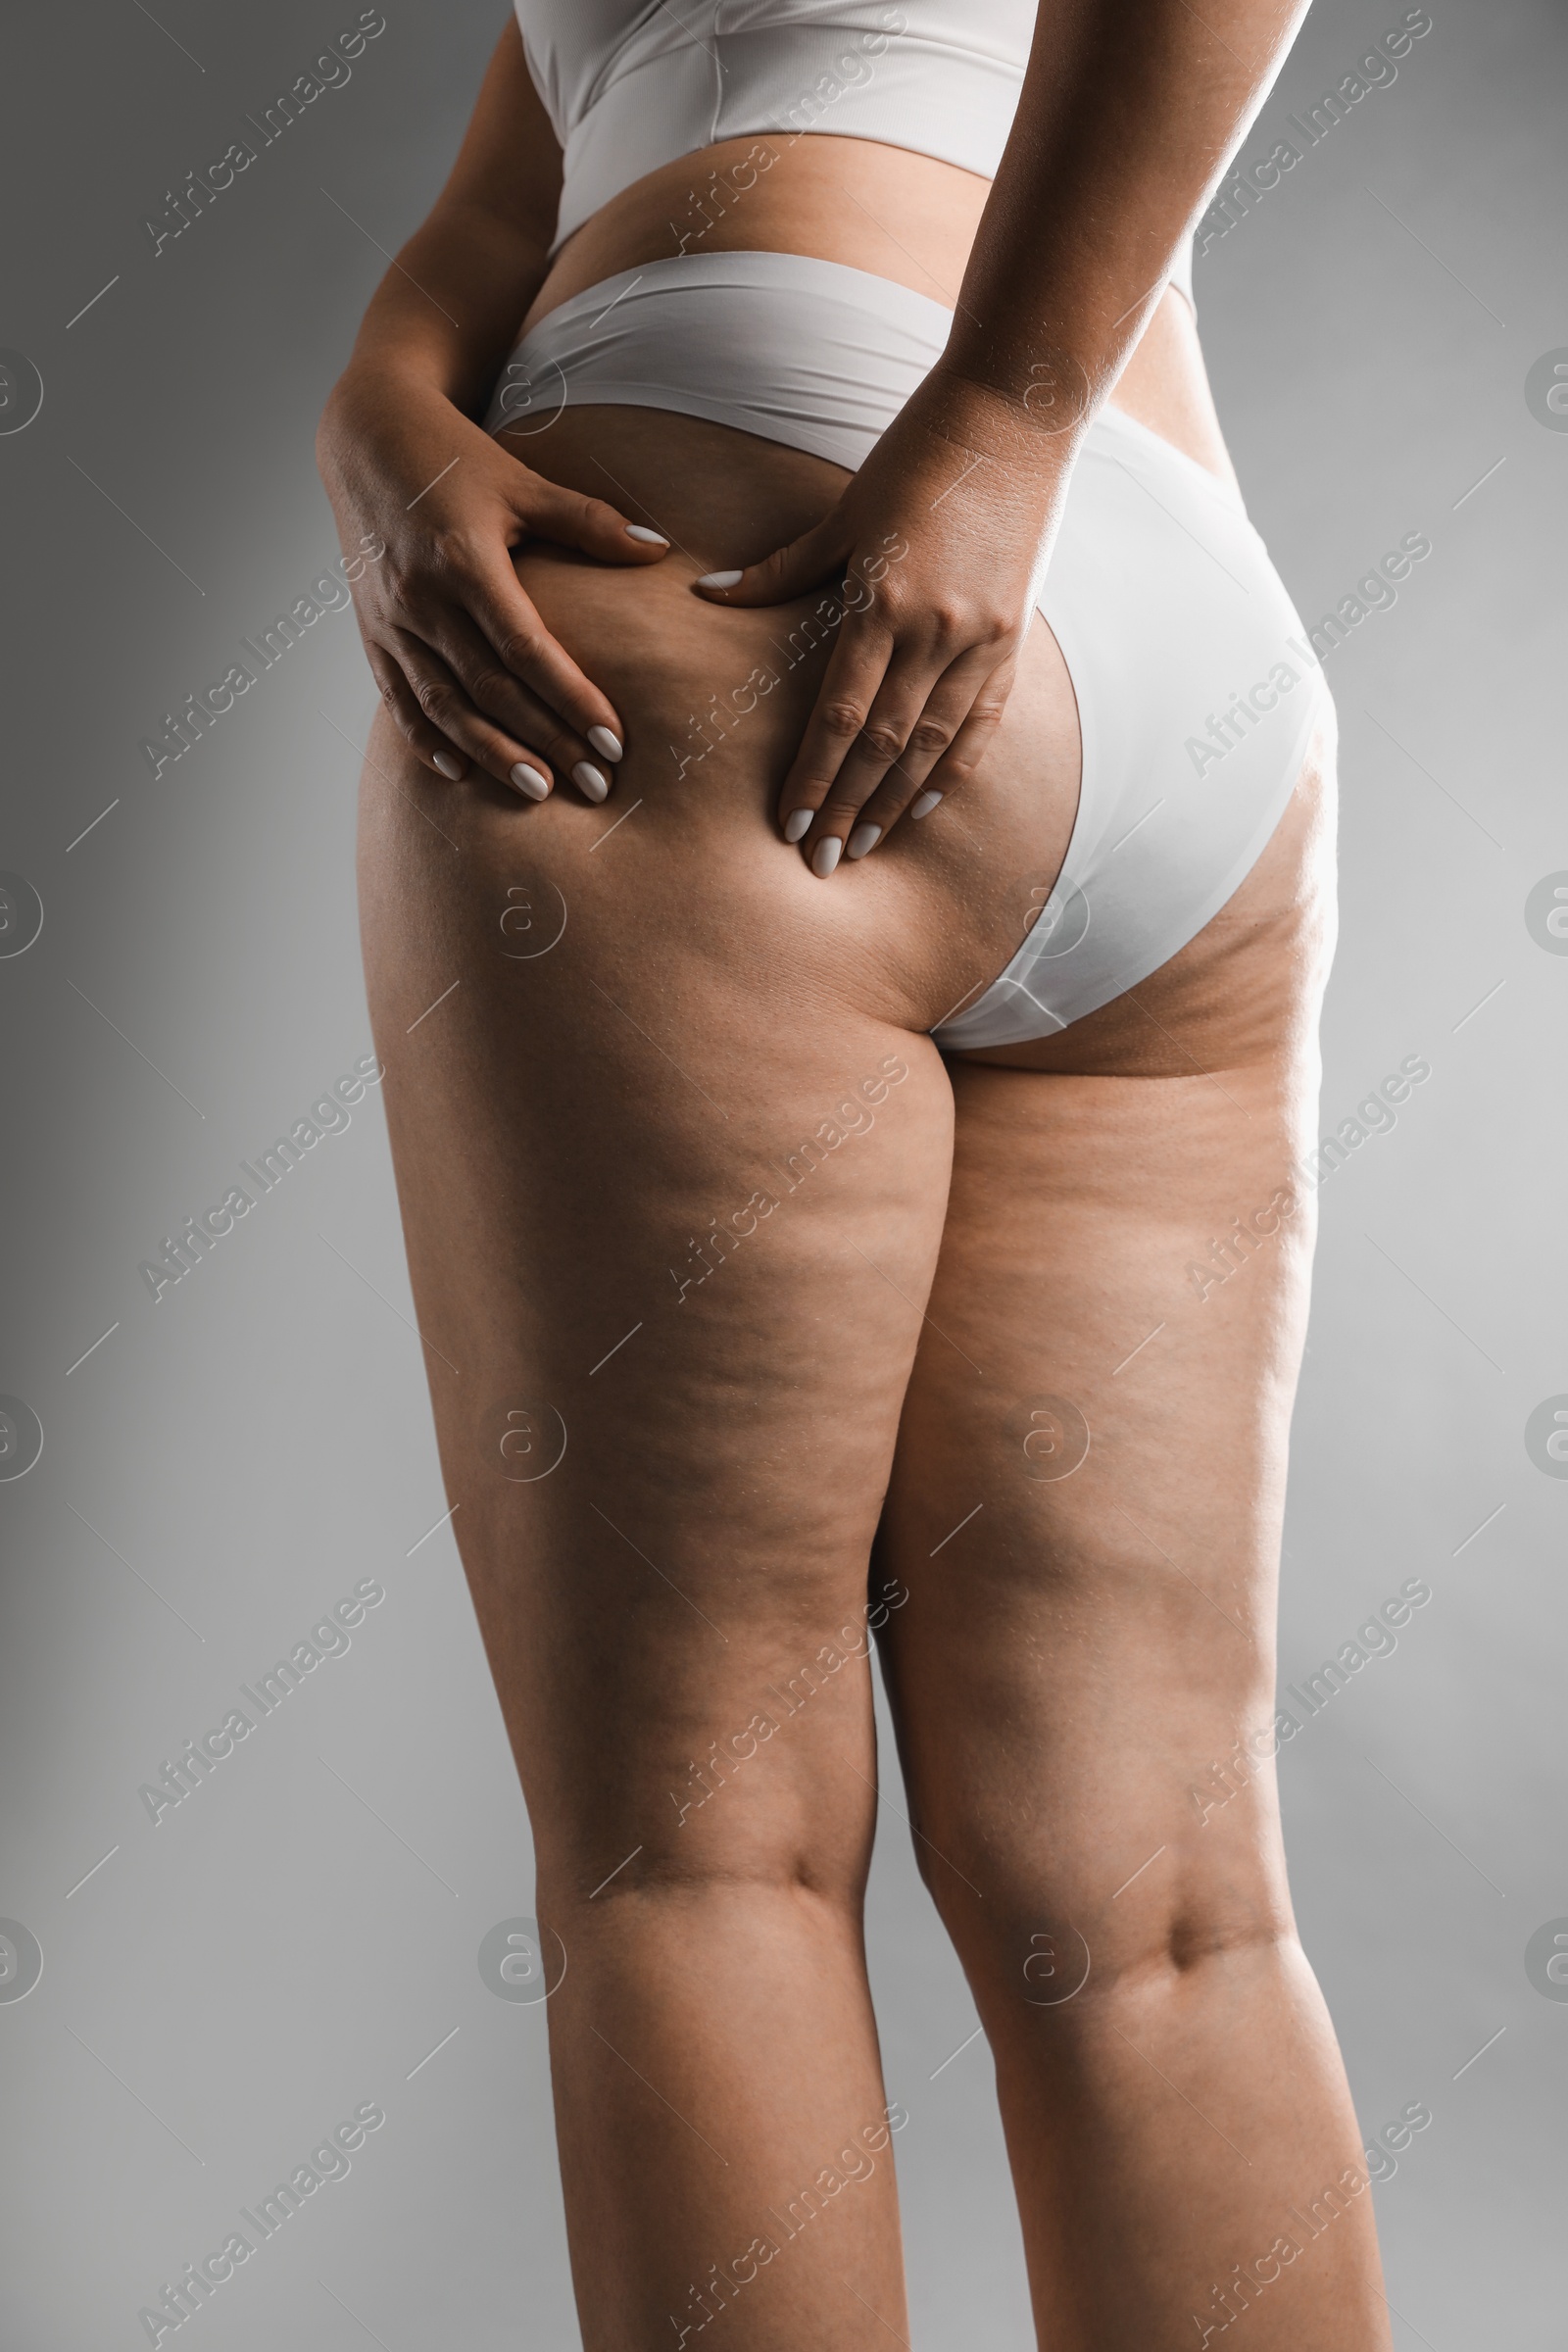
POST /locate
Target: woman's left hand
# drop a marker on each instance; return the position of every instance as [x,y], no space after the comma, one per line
[940,543]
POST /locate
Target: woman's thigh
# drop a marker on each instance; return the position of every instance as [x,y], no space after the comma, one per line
[1087,1496]
[672,1156]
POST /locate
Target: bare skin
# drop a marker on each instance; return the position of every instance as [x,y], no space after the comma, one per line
[805,1391]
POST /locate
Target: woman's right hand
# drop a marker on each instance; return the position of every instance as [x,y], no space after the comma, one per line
[465,666]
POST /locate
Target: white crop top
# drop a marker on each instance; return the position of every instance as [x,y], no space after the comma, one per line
[631,84]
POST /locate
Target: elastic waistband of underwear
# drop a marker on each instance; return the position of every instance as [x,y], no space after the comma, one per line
[604,334]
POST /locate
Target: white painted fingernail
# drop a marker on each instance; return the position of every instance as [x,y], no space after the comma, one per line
[925,804]
[863,838]
[825,856]
[798,824]
[718,579]
[590,781]
[528,780]
[448,765]
[602,740]
[647,538]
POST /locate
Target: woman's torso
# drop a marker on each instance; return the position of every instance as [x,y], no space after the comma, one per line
[798,149]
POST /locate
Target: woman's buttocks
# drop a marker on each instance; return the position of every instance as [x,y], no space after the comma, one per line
[712,704]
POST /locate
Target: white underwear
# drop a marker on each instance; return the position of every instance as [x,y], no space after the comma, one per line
[1197,692]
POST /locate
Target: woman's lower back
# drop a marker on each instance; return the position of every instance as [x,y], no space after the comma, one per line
[884,210]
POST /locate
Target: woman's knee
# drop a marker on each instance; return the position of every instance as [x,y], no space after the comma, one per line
[1082,1921]
[740,1751]
[722,1808]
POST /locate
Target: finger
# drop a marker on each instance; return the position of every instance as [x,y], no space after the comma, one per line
[525,649]
[850,685]
[501,699]
[910,725]
[820,554]
[423,739]
[445,709]
[969,745]
[569,518]
[945,745]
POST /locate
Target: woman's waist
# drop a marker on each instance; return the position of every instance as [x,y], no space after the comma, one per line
[785,308]
[883,210]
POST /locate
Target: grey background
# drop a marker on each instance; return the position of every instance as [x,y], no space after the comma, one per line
[300,1934]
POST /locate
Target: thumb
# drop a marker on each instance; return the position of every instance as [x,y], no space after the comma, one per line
[569,519]
[806,563]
